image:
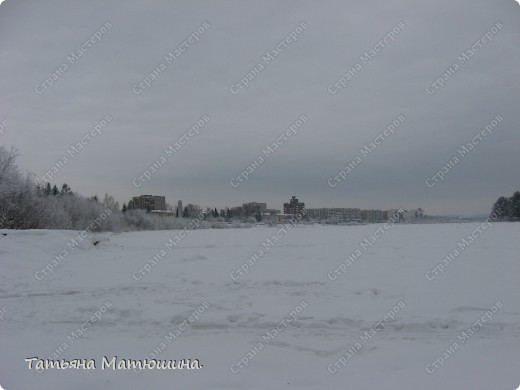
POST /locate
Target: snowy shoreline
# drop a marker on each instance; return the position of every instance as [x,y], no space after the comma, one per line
[248,332]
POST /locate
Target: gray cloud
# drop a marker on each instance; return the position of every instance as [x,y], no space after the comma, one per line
[36,38]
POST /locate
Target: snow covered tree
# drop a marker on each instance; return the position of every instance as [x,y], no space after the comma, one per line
[192,210]
[65,189]
[110,203]
[514,204]
[507,208]
[501,207]
[9,174]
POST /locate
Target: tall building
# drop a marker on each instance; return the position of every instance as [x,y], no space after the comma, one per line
[253,208]
[149,202]
[293,207]
[179,208]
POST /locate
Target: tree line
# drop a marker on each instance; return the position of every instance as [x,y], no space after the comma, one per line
[27,204]
[507,209]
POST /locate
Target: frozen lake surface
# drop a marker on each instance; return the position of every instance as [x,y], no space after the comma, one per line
[292,317]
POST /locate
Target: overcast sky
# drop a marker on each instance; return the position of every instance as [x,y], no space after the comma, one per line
[42,121]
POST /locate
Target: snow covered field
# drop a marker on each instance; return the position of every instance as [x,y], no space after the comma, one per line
[294,320]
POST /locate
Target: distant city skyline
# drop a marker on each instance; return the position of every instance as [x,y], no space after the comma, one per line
[184,202]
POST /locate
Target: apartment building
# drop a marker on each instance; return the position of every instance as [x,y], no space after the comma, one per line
[149,202]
